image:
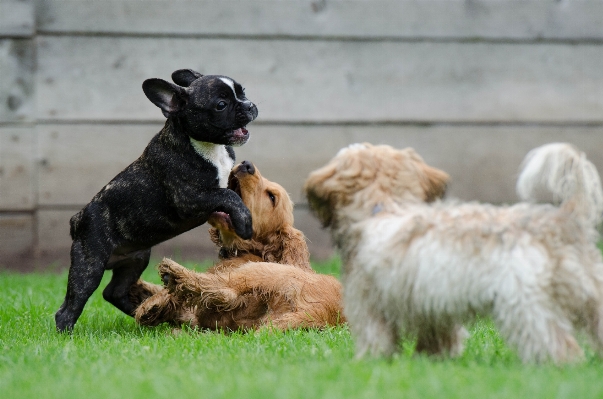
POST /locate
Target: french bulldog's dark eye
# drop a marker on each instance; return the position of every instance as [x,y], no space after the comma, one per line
[221,105]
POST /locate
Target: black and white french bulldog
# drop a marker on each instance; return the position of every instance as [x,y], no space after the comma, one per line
[175,185]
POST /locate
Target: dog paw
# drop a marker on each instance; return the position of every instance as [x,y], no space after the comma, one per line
[165,277]
[170,272]
[244,229]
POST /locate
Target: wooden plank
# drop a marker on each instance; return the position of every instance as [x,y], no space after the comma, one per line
[17,169]
[17,18]
[52,233]
[501,19]
[318,239]
[93,78]
[16,235]
[54,242]
[483,161]
[78,160]
[17,65]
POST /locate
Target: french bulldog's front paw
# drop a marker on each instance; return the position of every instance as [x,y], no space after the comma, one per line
[244,229]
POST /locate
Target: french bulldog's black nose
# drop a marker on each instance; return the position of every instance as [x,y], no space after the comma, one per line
[254,111]
[247,167]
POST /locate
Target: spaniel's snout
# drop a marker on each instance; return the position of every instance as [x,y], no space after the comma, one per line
[246,167]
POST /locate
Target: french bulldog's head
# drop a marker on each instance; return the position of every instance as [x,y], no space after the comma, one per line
[212,108]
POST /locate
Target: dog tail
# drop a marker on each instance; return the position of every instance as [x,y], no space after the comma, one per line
[559,173]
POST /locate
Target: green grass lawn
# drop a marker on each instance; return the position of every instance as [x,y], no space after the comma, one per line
[109,356]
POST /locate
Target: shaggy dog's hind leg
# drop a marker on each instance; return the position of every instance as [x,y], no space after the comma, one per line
[538,333]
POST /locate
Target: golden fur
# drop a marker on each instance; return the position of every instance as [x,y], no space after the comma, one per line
[267,280]
[250,296]
[274,237]
[420,269]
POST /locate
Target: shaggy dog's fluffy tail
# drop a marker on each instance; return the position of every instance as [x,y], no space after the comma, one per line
[559,173]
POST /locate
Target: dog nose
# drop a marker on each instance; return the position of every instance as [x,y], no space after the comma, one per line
[247,167]
[254,111]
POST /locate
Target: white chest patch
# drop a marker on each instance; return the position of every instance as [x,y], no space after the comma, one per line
[217,155]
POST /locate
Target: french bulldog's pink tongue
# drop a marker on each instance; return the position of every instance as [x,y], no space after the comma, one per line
[240,132]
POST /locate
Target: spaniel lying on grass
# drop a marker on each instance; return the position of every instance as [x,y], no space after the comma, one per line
[265,281]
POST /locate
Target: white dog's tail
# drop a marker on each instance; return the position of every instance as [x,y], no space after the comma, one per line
[559,173]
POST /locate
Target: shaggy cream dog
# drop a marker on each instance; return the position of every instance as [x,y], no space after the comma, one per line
[423,269]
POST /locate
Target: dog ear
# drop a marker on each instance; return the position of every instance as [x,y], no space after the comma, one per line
[184,77]
[295,250]
[167,96]
[320,188]
[435,183]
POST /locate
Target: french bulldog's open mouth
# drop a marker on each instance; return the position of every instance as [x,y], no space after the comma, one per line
[239,136]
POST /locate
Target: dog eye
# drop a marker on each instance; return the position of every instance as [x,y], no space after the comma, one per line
[272,198]
[221,105]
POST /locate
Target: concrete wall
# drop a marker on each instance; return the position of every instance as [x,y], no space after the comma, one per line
[471,84]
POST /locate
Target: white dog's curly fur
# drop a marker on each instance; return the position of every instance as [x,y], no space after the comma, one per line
[411,267]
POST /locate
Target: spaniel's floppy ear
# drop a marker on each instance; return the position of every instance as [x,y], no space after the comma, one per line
[434,182]
[295,250]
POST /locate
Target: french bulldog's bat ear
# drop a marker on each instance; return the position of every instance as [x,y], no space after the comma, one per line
[184,77]
[167,96]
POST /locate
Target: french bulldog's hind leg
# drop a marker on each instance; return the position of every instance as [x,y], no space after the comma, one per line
[126,272]
[85,274]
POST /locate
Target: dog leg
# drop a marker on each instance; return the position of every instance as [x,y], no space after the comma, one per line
[375,337]
[85,275]
[295,320]
[141,291]
[125,274]
[192,204]
[159,308]
[441,340]
[198,289]
[596,334]
[539,335]
[594,327]
[374,334]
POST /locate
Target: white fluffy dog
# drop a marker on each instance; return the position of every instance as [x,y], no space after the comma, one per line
[411,267]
